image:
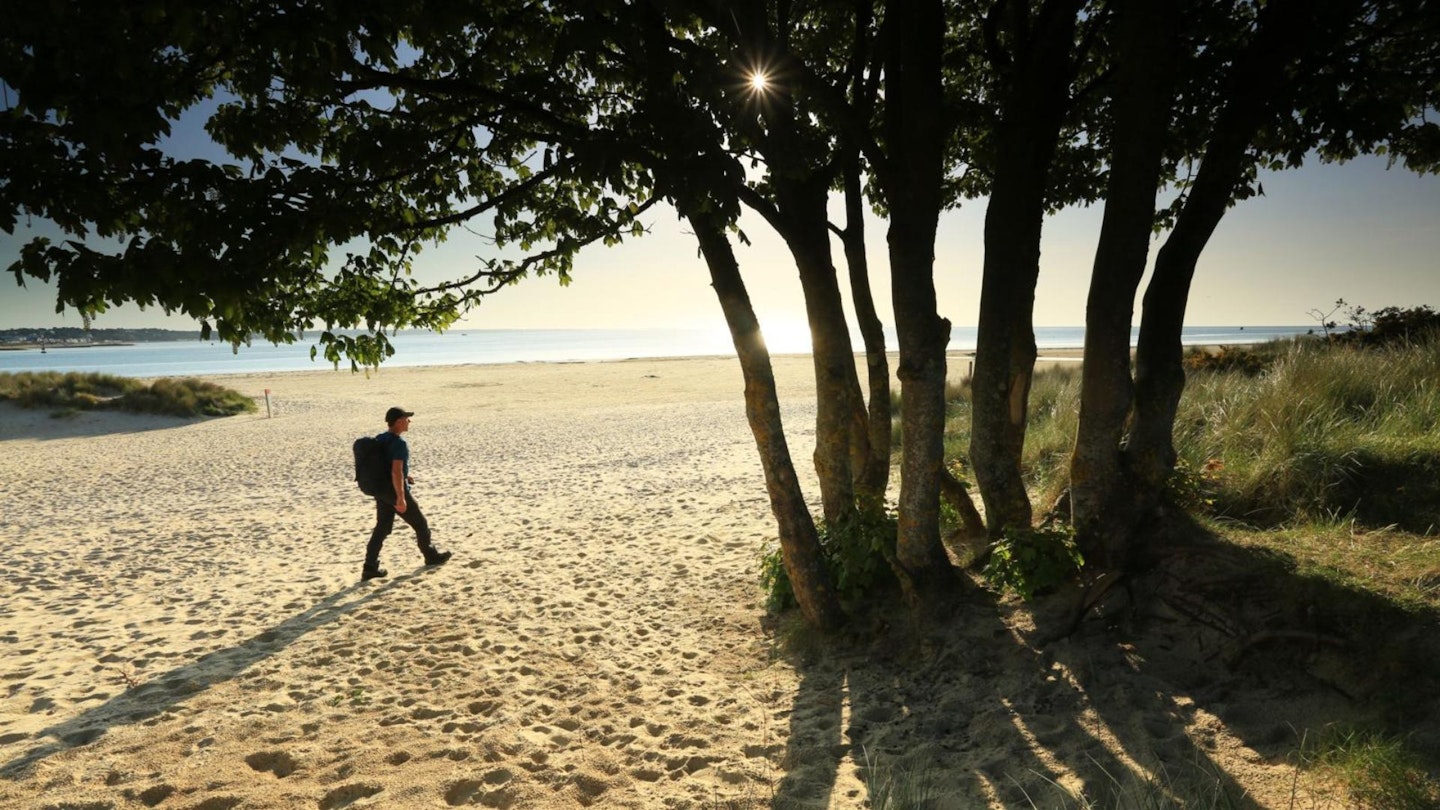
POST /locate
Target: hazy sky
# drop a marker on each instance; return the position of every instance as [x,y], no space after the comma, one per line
[1356,231]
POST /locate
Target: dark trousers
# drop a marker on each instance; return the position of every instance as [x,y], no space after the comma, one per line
[385,521]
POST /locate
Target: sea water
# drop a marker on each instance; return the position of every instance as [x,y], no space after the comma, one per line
[472,346]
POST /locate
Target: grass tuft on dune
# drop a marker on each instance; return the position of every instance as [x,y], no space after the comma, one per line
[71,392]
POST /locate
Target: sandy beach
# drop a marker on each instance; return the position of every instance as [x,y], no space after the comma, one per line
[182,623]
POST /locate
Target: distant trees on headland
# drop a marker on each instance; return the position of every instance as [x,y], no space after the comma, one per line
[73,334]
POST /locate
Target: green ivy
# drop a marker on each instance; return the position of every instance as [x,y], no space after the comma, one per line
[779,595]
[858,554]
[1032,561]
[1191,489]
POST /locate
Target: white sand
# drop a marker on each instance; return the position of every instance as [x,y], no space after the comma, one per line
[182,623]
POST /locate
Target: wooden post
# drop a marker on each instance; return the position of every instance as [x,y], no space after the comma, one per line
[267,403]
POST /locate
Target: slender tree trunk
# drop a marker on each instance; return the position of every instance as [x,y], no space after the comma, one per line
[799,212]
[799,542]
[1260,75]
[1103,507]
[914,133]
[972,525]
[840,436]
[1031,115]
[1005,348]
[873,470]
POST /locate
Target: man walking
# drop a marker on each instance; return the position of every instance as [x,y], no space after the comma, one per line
[397,453]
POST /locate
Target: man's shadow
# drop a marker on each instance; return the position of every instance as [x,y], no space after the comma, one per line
[155,696]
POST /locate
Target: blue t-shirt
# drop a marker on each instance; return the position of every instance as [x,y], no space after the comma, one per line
[396,449]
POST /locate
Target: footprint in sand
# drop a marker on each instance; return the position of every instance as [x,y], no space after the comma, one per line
[277,762]
[349,794]
[152,796]
[488,791]
[219,803]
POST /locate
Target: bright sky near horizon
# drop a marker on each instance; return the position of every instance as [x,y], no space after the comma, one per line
[1357,231]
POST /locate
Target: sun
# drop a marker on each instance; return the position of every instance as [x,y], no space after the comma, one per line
[759,82]
[787,336]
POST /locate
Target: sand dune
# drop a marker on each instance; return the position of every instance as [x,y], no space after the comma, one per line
[182,623]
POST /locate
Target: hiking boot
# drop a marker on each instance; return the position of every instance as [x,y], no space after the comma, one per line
[373,573]
[438,557]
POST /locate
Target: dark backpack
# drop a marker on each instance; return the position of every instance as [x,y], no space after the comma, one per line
[372,470]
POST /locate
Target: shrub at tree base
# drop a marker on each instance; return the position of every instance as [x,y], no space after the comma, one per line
[75,391]
[1035,561]
[779,594]
[858,552]
[1194,490]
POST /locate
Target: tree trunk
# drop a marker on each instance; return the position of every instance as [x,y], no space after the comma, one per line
[799,542]
[840,436]
[915,136]
[801,182]
[1260,75]
[873,470]
[1031,114]
[972,525]
[1104,509]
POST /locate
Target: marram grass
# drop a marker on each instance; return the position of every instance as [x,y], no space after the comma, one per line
[1326,432]
[68,393]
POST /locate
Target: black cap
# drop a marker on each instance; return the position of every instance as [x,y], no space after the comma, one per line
[395,414]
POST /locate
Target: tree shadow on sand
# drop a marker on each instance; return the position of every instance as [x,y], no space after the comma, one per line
[998,704]
[159,694]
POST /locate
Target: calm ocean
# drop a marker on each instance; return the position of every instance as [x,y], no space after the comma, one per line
[459,347]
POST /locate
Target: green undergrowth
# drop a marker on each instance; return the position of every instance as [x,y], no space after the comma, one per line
[857,553]
[69,393]
[1033,562]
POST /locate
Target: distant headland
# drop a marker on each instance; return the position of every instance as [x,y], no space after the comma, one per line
[64,336]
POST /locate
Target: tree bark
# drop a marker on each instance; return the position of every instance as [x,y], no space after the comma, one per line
[1104,508]
[799,541]
[1032,111]
[840,436]
[873,468]
[914,133]
[1259,77]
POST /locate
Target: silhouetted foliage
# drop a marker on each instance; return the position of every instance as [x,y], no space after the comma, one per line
[1390,326]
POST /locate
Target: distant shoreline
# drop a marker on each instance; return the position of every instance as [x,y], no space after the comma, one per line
[99,344]
[140,358]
